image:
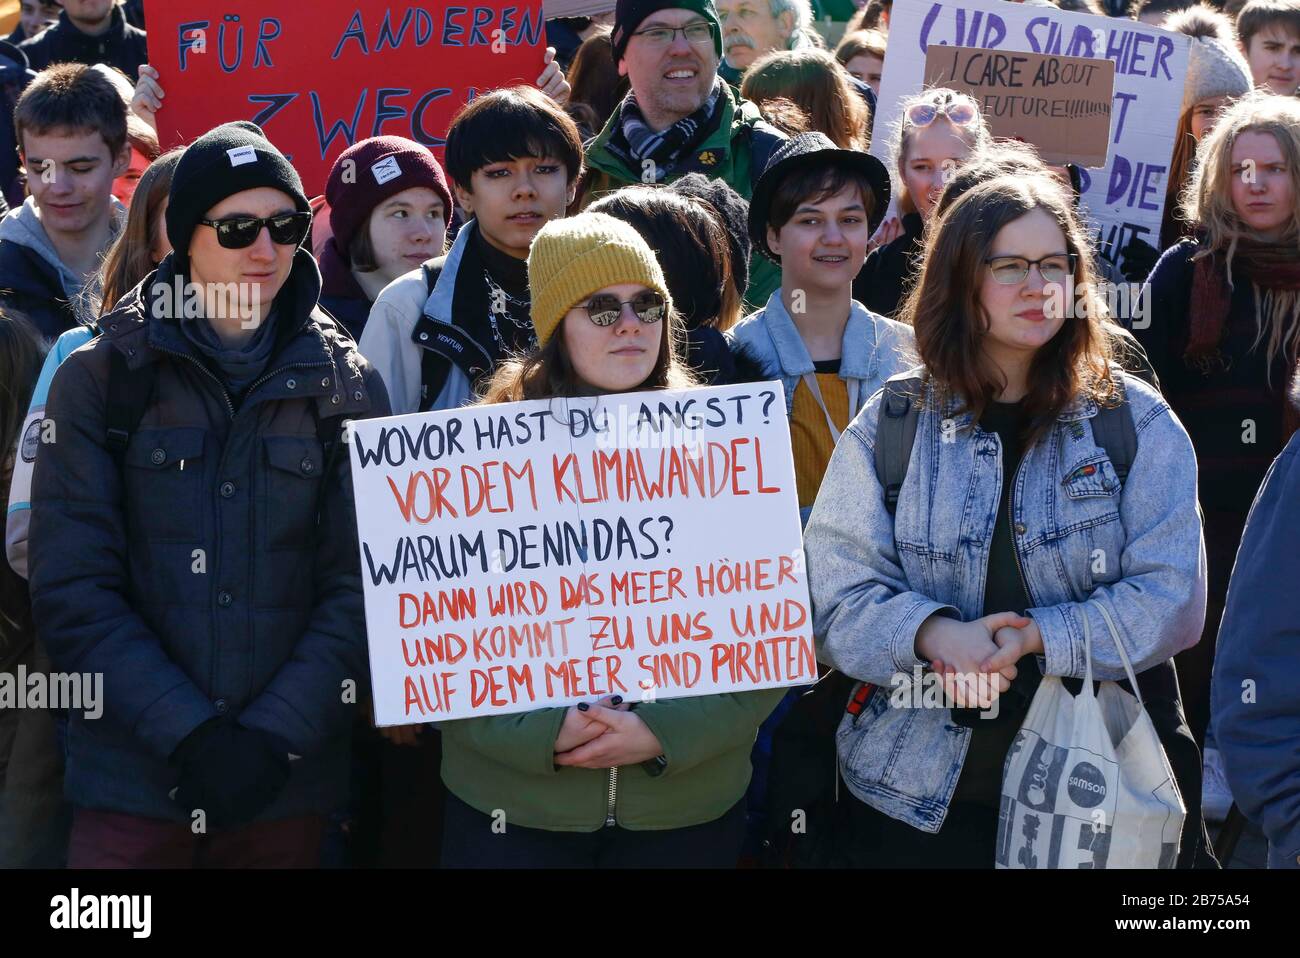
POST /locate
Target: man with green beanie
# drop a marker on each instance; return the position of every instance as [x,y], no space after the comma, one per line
[679,116]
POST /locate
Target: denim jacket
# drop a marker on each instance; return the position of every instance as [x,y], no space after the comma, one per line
[874,348]
[1080,542]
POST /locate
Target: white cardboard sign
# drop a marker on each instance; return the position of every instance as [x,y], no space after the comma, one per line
[1126,197]
[543,553]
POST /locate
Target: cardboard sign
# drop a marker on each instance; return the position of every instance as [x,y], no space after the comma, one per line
[1124,199]
[1059,104]
[536,554]
[319,76]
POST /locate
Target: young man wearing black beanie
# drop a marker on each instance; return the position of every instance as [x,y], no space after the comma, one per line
[193,540]
[679,116]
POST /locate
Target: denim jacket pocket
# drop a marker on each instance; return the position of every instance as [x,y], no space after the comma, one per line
[1092,476]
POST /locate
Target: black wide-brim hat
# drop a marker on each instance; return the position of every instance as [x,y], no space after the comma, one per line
[812,150]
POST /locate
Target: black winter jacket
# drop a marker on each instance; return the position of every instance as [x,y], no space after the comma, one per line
[123,46]
[195,578]
[889,272]
[31,286]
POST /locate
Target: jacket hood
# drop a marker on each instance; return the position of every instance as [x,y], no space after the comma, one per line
[23,226]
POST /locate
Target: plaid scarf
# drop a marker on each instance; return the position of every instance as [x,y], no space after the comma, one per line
[633,142]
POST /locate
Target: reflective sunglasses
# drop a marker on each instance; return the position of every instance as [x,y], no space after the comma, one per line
[958,112]
[698,32]
[1010,270]
[605,309]
[240,232]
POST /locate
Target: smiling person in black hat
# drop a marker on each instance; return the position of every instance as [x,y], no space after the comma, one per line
[813,212]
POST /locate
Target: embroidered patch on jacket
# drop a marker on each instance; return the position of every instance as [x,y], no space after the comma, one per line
[708,158]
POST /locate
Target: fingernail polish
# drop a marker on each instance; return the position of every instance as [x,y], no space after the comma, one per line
[616,700]
[583,706]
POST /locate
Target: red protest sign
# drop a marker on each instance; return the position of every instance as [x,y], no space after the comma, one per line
[319,76]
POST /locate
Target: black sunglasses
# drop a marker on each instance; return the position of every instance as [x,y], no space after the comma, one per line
[240,232]
[604,310]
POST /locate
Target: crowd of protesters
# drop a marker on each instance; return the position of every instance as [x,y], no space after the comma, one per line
[684,197]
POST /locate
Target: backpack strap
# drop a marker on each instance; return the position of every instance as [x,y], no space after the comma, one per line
[1114,432]
[129,392]
[895,435]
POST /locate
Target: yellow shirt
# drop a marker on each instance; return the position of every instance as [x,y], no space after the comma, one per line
[810,438]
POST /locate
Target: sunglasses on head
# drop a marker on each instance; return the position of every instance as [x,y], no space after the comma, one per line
[604,310]
[958,112]
[240,232]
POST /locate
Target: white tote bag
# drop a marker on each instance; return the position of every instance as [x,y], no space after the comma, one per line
[1087,783]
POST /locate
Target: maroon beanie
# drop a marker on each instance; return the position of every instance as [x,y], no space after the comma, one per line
[369,172]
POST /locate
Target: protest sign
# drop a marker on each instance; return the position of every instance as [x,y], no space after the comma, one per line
[1059,104]
[535,554]
[1125,198]
[319,76]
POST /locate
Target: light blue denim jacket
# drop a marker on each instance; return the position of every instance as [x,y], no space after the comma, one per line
[875,578]
[874,348]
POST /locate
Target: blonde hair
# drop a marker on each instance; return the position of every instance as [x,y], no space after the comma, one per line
[975,133]
[1207,202]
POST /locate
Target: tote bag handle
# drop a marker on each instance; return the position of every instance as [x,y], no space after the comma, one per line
[1119,646]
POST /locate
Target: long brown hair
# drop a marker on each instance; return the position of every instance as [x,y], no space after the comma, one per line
[950,323]
[593,76]
[690,242]
[819,85]
[1208,204]
[130,259]
[547,373]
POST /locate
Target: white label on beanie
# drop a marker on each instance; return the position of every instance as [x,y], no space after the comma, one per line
[386,169]
[241,155]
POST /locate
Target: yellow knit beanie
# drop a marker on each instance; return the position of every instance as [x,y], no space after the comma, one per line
[573,257]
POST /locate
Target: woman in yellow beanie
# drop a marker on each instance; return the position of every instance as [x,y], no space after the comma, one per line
[603,315]
[603,783]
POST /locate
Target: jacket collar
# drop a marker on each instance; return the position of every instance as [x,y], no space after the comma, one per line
[859,355]
[1080,408]
[712,157]
[315,354]
[114,34]
[438,305]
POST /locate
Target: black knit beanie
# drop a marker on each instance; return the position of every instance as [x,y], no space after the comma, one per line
[628,15]
[226,160]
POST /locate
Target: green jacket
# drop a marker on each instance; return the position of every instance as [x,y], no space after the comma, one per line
[725,155]
[505,763]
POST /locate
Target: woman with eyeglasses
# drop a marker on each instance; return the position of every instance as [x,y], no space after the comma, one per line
[192,537]
[952,561]
[939,129]
[604,783]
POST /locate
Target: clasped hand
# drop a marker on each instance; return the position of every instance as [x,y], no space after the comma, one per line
[977,659]
[604,734]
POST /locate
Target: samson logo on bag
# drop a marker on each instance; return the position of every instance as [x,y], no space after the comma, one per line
[1117,807]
